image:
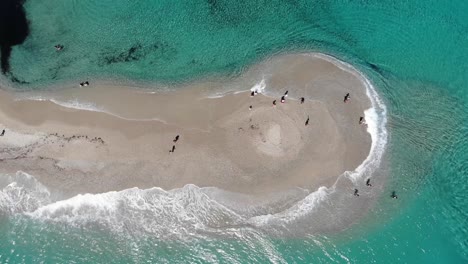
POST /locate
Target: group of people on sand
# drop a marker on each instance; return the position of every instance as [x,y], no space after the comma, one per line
[283,100]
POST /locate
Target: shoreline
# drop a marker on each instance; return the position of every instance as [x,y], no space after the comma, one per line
[313,205]
[270,92]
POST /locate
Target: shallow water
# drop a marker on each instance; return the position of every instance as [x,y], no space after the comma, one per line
[414,52]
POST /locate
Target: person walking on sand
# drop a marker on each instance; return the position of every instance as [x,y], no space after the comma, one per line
[368,183]
[274,102]
[283,99]
[252,93]
[362,120]
[286,94]
[3,133]
[346,98]
[250,107]
[176,139]
[307,121]
[172,150]
[356,192]
[302,100]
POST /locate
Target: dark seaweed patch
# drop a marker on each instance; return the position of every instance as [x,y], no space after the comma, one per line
[16,80]
[134,53]
[13,29]
[376,68]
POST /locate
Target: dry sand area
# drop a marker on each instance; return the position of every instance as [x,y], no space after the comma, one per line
[222,143]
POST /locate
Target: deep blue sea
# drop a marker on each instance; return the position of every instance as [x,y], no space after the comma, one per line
[414,52]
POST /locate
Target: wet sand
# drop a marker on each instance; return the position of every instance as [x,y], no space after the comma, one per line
[222,143]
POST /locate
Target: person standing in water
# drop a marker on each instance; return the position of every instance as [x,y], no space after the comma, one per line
[368,183]
[394,196]
[356,192]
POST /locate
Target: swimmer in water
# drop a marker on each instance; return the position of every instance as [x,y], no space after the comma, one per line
[394,196]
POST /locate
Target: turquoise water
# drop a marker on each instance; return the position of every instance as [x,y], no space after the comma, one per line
[415,52]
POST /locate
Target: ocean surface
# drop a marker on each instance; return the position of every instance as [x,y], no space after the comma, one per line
[414,52]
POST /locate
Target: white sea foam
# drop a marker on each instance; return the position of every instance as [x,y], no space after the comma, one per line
[72,104]
[259,87]
[86,106]
[80,105]
[300,209]
[21,193]
[176,213]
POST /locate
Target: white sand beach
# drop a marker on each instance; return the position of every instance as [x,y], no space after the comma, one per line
[222,143]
